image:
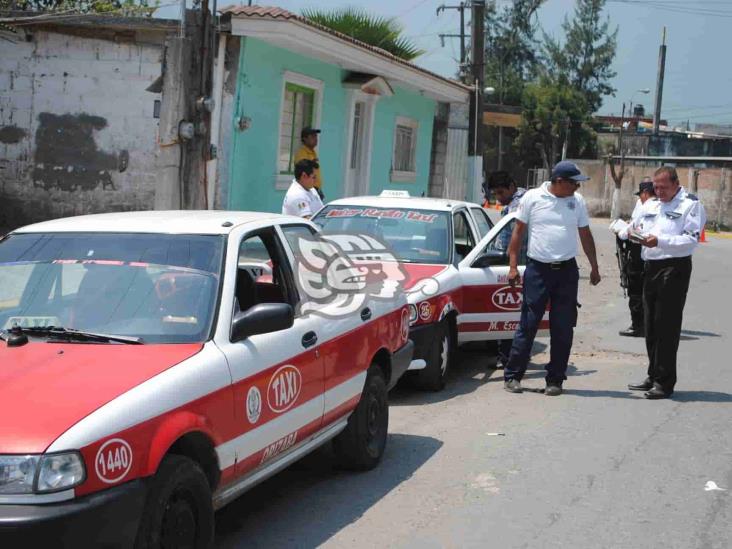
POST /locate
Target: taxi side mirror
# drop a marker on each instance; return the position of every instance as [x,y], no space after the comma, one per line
[264,318]
[490,258]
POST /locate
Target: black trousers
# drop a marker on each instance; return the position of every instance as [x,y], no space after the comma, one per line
[635,270]
[665,286]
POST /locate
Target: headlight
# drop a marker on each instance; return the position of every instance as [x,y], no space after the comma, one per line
[17,474]
[412,314]
[40,474]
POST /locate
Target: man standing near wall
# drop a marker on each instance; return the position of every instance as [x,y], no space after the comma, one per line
[669,230]
[309,138]
[301,199]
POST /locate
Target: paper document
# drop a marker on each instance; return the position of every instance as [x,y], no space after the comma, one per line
[618,225]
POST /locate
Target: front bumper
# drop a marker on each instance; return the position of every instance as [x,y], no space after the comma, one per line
[105,519]
[400,361]
[423,337]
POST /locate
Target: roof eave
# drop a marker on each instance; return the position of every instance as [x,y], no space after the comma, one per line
[297,36]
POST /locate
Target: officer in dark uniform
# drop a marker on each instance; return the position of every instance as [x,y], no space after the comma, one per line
[669,228]
[632,266]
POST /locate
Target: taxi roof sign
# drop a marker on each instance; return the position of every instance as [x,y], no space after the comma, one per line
[391,193]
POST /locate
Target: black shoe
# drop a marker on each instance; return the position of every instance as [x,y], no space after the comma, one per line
[632,332]
[553,389]
[513,386]
[657,393]
[646,385]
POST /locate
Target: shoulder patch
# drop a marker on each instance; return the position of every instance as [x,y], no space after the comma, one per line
[691,196]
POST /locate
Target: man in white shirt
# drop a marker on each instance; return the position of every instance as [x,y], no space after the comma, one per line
[554,214]
[302,199]
[670,226]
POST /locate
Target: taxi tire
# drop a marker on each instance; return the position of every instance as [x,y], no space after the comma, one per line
[179,485]
[361,444]
[433,377]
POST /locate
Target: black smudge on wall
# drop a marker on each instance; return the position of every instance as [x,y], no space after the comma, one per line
[67,156]
[9,135]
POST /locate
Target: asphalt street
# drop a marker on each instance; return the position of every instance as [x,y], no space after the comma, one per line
[474,466]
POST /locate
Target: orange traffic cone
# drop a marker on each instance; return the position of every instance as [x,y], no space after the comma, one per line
[703,236]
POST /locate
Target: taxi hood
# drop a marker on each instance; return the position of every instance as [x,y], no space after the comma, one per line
[45,388]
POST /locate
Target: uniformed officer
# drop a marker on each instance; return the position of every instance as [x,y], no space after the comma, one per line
[670,226]
[554,214]
[632,265]
[302,199]
[509,195]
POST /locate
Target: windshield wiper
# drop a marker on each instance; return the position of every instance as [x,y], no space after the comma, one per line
[69,334]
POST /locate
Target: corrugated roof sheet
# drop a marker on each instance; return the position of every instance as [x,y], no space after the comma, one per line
[268,12]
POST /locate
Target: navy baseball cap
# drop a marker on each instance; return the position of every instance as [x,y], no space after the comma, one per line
[568,170]
[646,186]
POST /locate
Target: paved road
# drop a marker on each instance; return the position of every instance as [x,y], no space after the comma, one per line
[596,467]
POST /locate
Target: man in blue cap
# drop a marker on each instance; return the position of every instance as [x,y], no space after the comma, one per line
[554,213]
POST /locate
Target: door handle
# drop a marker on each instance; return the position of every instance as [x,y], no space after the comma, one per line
[365,314]
[309,339]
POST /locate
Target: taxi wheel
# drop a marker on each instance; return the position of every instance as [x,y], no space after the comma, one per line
[179,510]
[433,377]
[361,444]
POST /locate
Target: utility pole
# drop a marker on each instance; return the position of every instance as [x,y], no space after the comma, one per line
[475,147]
[659,83]
[461,8]
[618,176]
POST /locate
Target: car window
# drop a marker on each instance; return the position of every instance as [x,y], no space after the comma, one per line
[482,220]
[413,236]
[501,241]
[263,272]
[464,241]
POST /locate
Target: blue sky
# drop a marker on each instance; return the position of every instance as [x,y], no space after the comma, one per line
[698,75]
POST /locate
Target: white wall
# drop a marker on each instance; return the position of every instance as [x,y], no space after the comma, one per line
[72,110]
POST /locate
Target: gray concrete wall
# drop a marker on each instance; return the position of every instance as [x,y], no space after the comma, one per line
[77,131]
[713,186]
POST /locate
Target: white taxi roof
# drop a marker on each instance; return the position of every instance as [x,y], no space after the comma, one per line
[164,222]
[417,202]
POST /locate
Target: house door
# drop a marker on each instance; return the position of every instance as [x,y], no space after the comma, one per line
[358,156]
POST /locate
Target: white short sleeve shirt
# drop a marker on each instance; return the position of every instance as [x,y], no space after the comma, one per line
[301,202]
[552,223]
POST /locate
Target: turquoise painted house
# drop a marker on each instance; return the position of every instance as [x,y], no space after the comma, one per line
[283,73]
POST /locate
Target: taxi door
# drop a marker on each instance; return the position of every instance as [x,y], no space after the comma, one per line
[491,308]
[278,377]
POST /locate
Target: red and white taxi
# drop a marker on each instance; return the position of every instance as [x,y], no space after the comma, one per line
[155,365]
[454,266]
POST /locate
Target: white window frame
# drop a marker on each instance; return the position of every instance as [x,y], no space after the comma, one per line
[282,181]
[402,176]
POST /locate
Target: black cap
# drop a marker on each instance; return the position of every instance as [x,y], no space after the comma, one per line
[646,186]
[308,131]
[568,170]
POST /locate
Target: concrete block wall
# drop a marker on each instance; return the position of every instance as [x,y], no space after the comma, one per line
[713,187]
[77,128]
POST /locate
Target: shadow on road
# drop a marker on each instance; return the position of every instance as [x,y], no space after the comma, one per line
[678,396]
[693,335]
[311,501]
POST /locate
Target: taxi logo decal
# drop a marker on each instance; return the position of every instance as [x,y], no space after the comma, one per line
[113,461]
[254,405]
[404,327]
[284,388]
[425,310]
[508,299]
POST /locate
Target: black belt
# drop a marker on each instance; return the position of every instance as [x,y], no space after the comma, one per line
[668,262]
[555,265]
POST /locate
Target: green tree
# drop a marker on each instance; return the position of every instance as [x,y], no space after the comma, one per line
[551,109]
[138,8]
[586,55]
[381,32]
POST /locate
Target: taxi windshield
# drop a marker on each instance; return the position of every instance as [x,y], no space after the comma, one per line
[414,236]
[159,288]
